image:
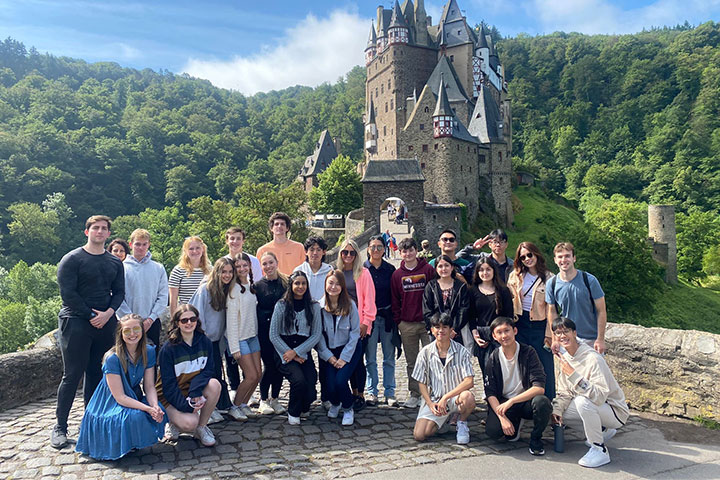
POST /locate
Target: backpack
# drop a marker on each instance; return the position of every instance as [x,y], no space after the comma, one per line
[587,284]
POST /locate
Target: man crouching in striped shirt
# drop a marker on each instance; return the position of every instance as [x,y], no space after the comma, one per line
[445,374]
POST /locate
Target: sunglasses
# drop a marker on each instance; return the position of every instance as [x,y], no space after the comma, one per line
[350,253]
[130,330]
[376,248]
[526,256]
[448,239]
[188,320]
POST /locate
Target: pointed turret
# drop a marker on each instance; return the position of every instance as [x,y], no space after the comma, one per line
[398,31]
[482,40]
[486,123]
[371,49]
[451,12]
[421,24]
[408,11]
[370,129]
[443,115]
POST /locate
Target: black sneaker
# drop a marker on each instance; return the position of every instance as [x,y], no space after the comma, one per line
[358,403]
[58,437]
[536,448]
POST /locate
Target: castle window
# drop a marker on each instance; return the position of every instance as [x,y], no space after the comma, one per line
[386,107]
[384,130]
[427,109]
[458,148]
[392,103]
[470,169]
[459,32]
[422,125]
[500,156]
[461,168]
[468,148]
[452,58]
[436,146]
[382,88]
[465,190]
[388,85]
[482,158]
[410,148]
[424,148]
[376,92]
[422,165]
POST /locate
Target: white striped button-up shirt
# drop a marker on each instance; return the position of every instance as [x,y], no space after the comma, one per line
[440,379]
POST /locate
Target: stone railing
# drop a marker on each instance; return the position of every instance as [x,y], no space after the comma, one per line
[670,372]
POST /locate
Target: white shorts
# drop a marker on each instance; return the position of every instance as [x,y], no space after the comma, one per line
[426,413]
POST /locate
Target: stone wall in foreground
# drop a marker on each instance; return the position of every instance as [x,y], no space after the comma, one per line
[670,372]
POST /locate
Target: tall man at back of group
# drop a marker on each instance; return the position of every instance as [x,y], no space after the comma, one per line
[577,295]
[289,253]
[92,287]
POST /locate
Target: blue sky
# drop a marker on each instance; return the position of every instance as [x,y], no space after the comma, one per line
[259,46]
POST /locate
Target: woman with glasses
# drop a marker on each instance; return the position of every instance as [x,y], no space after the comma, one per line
[447,293]
[118,417]
[527,283]
[361,289]
[187,387]
[383,326]
[189,273]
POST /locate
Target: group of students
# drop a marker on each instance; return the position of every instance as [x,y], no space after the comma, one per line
[266,315]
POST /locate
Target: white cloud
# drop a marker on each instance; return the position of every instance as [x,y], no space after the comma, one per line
[317,50]
[600,16]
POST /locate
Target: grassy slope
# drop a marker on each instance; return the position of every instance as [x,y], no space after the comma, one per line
[544,222]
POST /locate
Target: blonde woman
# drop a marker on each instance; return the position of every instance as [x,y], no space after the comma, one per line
[185,277]
[361,289]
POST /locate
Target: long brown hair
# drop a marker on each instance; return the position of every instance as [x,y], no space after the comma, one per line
[174,334]
[343,305]
[120,349]
[520,267]
[219,291]
[245,258]
[496,280]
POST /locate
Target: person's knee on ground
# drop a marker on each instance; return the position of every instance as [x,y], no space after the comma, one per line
[541,405]
[424,429]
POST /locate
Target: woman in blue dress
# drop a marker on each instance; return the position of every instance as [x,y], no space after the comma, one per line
[118,418]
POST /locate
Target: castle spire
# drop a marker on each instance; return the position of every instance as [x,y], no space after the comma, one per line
[443,115]
[370,130]
[371,49]
[398,31]
[421,23]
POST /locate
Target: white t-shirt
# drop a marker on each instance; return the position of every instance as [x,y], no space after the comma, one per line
[527,289]
[512,383]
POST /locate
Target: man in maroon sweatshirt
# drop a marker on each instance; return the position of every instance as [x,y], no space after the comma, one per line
[406,287]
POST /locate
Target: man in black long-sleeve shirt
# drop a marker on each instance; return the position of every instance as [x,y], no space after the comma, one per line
[92,287]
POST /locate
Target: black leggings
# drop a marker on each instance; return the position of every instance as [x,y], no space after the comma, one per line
[271,376]
[82,347]
[302,378]
[359,376]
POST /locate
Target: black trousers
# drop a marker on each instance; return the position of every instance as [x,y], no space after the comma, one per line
[359,376]
[223,402]
[271,376]
[232,369]
[82,347]
[302,379]
[538,410]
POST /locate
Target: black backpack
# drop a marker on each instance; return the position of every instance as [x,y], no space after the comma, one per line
[587,284]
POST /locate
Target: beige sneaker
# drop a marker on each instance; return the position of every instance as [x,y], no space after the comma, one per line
[265,408]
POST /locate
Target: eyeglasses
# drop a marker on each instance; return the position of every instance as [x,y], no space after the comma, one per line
[497,242]
[130,330]
[376,248]
[560,333]
[526,256]
[448,239]
[349,253]
[188,320]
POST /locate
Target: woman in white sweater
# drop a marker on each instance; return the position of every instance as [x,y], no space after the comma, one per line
[241,333]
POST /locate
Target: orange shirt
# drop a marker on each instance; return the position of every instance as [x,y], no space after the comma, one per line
[289,255]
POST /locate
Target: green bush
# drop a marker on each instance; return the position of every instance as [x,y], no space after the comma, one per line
[41,316]
[12,326]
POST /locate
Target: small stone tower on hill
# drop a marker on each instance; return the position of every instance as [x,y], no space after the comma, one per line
[661,230]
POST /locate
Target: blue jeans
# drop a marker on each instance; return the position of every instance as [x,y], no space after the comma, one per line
[337,380]
[388,351]
[533,333]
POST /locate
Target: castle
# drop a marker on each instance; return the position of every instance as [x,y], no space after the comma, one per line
[438,124]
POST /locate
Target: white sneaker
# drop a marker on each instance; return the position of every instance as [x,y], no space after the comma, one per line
[595,457]
[265,408]
[293,420]
[215,417]
[327,404]
[607,435]
[249,413]
[254,400]
[171,432]
[412,402]
[371,399]
[205,435]
[236,413]
[334,411]
[348,417]
[463,433]
[391,401]
[277,406]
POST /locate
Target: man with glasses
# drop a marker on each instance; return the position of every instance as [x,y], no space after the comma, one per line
[92,287]
[588,395]
[448,244]
[498,242]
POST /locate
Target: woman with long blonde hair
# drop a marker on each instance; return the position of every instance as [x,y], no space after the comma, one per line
[193,267]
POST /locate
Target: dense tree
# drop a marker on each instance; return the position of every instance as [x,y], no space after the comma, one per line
[339,189]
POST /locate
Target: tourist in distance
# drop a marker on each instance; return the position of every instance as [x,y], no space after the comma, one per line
[119,248]
[119,418]
[361,290]
[339,345]
[289,253]
[295,328]
[146,286]
[514,387]
[489,299]
[210,300]
[527,283]
[269,290]
[383,327]
[186,385]
[407,287]
[242,337]
[92,287]
[189,273]
[577,295]
[447,293]
[444,373]
[588,396]
[498,241]
[425,251]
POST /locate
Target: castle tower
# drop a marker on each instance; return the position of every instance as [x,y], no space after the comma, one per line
[371,49]
[398,31]
[421,24]
[370,131]
[443,114]
[661,230]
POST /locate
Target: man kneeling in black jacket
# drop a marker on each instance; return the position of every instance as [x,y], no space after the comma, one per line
[515,388]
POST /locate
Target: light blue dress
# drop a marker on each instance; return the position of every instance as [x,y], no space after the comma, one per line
[109,430]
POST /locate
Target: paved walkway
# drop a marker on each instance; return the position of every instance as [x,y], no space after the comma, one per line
[379,445]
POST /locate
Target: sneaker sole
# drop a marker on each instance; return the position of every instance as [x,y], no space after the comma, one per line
[536,453]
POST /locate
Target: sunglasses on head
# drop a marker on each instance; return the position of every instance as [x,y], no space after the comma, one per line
[526,256]
[188,320]
[350,253]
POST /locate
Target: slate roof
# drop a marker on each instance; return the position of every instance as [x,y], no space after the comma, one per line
[371,113]
[372,38]
[454,89]
[485,118]
[451,12]
[397,19]
[442,107]
[322,156]
[400,170]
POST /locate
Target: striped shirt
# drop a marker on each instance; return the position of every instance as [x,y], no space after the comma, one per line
[440,379]
[186,285]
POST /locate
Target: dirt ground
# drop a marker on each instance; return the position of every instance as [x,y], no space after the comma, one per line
[680,429]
